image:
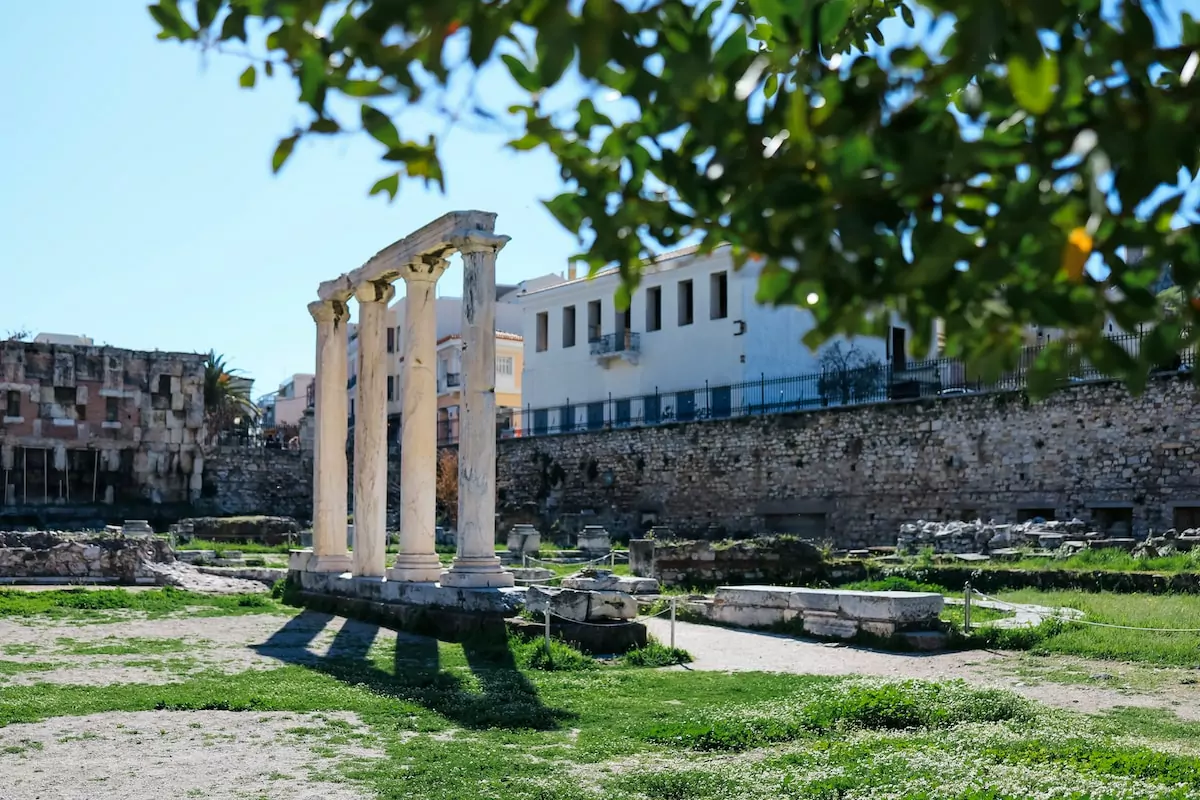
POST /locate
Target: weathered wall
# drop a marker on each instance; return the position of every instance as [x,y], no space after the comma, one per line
[869,469]
[98,425]
[257,480]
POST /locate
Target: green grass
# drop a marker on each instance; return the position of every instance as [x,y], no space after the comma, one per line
[1107,560]
[104,604]
[14,667]
[1134,610]
[123,646]
[249,547]
[656,654]
[466,722]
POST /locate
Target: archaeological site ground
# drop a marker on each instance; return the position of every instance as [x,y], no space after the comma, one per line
[969,598]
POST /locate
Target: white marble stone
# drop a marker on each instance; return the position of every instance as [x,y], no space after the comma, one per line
[476,563]
[417,560]
[370,432]
[329,453]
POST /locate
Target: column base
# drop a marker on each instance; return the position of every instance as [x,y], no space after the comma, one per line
[477,573]
[333,562]
[416,568]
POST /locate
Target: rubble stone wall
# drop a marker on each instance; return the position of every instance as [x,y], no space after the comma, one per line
[255,480]
[865,471]
[45,554]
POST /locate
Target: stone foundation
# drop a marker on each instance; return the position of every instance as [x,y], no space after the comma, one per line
[702,563]
[92,557]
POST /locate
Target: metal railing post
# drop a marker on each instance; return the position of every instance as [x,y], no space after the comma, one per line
[547,615]
[967,607]
[673,599]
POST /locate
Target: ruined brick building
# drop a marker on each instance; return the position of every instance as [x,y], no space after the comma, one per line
[98,427]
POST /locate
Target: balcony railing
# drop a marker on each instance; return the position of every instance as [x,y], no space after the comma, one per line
[453,379]
[616,343]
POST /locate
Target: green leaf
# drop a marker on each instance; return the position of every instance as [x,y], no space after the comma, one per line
[324,125]
[907,15]
[390,184]
[206,11]
[1033,84]
[521,73]
[527,142]
[234,26]
[283,151]
[364,89]
[167,15]
[376,123]
[312,78]
[247,79]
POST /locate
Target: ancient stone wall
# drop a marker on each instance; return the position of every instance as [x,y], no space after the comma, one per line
[82,425]
[51,555]
[854,475]
[257,480]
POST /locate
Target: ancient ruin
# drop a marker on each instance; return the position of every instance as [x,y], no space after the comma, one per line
[419,260]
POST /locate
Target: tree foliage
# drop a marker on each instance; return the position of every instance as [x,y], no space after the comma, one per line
[226,399]
[986,162]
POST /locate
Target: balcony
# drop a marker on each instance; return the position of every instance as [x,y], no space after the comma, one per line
[626,346]
[450,382]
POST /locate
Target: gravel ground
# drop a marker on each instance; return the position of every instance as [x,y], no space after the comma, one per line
[150,755]
[731,650]
[227,644]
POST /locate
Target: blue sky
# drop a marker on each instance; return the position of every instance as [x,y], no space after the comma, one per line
[137,204]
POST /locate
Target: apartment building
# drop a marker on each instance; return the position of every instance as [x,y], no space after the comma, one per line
[448,311]
[693,343]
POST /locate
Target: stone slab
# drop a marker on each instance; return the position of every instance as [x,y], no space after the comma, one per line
[900,607]
[507,601]
[580,606]
[602,580]
[750,616]
[825,624]
[758,596]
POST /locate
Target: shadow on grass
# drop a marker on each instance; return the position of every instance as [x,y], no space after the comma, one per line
[504,698]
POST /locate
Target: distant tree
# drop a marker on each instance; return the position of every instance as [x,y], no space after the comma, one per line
[226,399]
[446,488]
[18,335]
[849,374]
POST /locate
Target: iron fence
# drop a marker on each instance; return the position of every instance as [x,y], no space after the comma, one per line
[879,383]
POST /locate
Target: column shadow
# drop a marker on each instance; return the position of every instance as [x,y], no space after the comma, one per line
[500,696]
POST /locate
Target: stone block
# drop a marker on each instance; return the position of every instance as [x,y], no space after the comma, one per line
[611,605]
[298,560]
[524,539]
[594,539]
[751,616]
[899,607]
[815,599]
[829,625]
[599,580]
[568,604]
[758,596]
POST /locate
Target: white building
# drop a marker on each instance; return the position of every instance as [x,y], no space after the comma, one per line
[285,406]
[693,343]
[448,310]
[68,339]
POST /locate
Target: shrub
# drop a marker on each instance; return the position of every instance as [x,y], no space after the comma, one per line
[656,654]
[886,706]
[561,657]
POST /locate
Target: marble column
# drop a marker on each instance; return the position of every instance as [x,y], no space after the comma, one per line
[417,560]
[476,564]
[329,449]
[370,432]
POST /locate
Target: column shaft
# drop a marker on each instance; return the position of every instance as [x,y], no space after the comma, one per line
[370,433]
[329,449]
[476,564]
[417,560]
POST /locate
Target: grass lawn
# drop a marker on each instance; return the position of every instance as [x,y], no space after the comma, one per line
[1134,610]
[501,721]
[1102,560]
[472,722]
[107,605]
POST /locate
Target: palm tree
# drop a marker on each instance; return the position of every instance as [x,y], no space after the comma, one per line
[227,402]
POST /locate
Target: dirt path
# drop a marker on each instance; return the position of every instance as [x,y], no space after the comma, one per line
[149,755]
[732,650]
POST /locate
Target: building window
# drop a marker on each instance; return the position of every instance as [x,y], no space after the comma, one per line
[654,308]
[543,331]
[391,340]
[1114,521]
[566,418]
[569,326]
[594,321]
[391,388]
[1186,517]
[12,408]
[898,349]
[718,295]
[164,384]
[112,409]
[504,365]
[64,395]
[685,303]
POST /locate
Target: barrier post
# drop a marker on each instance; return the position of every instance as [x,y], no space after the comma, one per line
[967,607]
[673,598]
[547,614]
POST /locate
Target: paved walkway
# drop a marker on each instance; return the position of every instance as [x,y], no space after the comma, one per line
[733,650]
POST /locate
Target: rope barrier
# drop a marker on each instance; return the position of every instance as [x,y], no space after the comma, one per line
[614,624]
[532,560]
[1064,618]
